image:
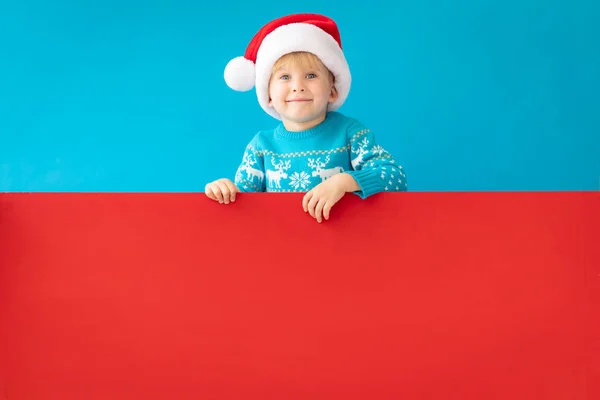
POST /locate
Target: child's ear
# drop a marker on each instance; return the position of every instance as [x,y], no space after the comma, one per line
[334,94]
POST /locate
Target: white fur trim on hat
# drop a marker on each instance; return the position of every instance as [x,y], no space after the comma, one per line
[240,74]
[300,37]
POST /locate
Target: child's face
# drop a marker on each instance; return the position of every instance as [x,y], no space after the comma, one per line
[300,93]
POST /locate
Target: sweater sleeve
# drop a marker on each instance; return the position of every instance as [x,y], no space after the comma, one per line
[374,169]
[250,174]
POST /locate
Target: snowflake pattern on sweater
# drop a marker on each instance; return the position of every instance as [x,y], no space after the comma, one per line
[283,161]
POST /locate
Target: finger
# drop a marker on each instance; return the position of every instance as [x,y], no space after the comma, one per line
[326,211]
[306,199]
[217,191]
[311,205]
[232,189]
[213,192]
[226,192]
[209,192]
[319,210]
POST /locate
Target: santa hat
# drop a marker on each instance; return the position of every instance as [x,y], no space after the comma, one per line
[312,33]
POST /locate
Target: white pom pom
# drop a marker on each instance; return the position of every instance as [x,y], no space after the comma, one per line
[240,74]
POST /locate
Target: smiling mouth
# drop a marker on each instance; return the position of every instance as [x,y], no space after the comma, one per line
[298,100]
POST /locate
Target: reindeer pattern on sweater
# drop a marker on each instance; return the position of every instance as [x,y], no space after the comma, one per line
[284,161]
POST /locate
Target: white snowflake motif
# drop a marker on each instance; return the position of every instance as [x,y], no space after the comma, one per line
[299,180]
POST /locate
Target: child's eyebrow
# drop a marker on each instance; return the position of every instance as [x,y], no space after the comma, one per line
[306,70]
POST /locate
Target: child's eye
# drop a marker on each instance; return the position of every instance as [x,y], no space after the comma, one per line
[311,76]
[284,77]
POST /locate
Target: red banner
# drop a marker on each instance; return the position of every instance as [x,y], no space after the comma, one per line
[400,296]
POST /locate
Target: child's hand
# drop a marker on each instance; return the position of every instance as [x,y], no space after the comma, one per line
[221,190]
[319,201]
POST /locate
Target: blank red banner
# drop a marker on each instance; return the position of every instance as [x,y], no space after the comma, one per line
[400,296]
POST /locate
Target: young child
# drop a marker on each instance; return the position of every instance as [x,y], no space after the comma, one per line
[301,76]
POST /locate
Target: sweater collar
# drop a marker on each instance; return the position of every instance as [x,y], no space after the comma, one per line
[283,133]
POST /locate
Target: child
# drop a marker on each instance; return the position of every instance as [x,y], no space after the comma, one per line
[301,76]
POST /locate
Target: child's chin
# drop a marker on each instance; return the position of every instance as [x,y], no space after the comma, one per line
[303,116]
[299,117]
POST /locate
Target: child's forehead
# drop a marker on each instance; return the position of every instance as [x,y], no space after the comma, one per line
[299,64]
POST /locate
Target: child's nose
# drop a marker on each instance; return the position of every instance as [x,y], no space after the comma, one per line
[298,86]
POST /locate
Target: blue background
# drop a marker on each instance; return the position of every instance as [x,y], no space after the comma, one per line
[129,95]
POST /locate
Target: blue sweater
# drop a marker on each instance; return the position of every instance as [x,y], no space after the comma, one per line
[279,160]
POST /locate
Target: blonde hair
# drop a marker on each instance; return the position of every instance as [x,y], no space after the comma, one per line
[302,58]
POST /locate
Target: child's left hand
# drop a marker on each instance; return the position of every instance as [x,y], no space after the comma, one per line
[319,201]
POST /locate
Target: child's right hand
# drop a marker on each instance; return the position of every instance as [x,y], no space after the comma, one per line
[221,190]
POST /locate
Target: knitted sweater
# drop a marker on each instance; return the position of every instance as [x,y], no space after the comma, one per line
[279,160]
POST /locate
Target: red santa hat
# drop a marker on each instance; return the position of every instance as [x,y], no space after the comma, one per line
[312,33]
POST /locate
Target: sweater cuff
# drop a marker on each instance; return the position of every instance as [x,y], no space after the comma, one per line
[368,180]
